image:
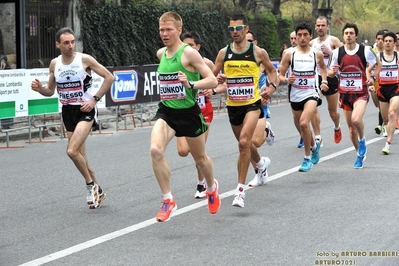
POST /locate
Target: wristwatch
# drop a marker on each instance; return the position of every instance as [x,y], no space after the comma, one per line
[214,92]
[274,85]
[191,84]
[96,98]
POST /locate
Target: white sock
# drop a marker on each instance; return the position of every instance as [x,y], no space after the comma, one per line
[212,188]
[240,187]
[318,137]
[261,163]
[201,182]
[168,195]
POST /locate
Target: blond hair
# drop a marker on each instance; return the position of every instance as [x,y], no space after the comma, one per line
[172,16]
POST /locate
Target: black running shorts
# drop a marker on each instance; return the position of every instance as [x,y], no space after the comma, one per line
[187,122]
[237,113]
[71,116]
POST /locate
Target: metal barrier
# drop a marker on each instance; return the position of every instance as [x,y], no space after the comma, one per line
[29,122]
[144,114]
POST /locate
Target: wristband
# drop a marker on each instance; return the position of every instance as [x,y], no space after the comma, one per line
[191,84]
[324,82]
[214,92]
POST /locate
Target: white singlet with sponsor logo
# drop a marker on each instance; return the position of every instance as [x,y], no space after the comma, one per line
[73,82]
[304,68]
[317,46]
[389,73]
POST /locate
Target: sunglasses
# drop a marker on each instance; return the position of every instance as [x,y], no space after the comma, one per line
[237,28]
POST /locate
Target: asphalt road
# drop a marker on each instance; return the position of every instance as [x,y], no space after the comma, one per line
[332,214]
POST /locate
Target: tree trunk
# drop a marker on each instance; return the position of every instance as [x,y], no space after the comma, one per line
[276,7]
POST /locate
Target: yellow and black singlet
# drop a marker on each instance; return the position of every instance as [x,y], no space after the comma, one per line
[243,73]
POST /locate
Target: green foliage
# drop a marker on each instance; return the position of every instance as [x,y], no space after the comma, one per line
[285,27]
[264,26]
[128,34]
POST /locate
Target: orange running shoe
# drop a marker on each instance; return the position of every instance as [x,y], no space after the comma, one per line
[337,135]
[213,199]
[168,207]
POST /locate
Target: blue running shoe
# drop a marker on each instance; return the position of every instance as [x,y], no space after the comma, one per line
[315,153]
[359,162]
[300,144]
[362,150]
[306,165]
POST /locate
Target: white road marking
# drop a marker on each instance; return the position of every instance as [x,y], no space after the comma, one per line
[136,227]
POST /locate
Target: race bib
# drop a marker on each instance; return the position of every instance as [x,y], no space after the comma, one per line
[304,80]
[170,88]
[240,88]
[201,100]
[351,81]
[389,74]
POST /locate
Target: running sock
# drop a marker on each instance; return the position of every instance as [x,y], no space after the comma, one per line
[318,137]
[168,195]
[201,182]
[336,128]
[314,147]
[90,184]
[261,163]
[240,187]
[212,188]
[307,157]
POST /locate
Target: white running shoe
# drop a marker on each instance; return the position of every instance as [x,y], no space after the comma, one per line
[261,177]
[239,199]
[270,134]
[201,192]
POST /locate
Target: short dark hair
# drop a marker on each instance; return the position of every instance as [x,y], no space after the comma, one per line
[390,34]
[303,26]
[351,25]
[192,35]
[63,31]
[380,32]
[323,18]
[240,17]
